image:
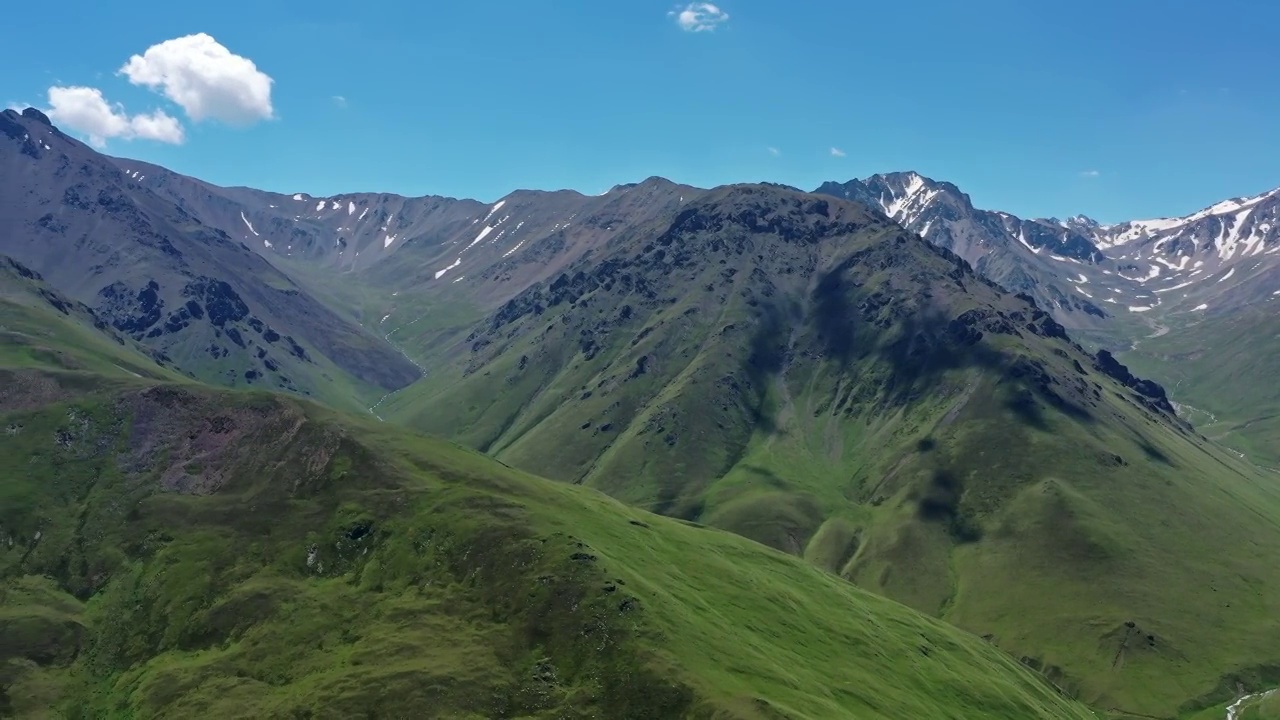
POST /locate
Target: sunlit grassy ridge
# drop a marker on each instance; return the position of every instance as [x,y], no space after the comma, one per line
[182,551]
[167,549]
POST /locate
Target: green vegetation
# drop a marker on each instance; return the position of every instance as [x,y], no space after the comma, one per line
[1230,395]
[171,551]
[833,388]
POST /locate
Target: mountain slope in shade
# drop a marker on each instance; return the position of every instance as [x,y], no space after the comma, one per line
[1187,299]
[159,275]
[799,370]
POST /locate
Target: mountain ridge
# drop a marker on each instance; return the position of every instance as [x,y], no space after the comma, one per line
[156,273]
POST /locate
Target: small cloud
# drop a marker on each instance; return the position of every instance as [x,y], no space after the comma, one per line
[1090,173]
[837,152]
[205,79]
[699,17]
[85,110]
[775,151]
[339,100]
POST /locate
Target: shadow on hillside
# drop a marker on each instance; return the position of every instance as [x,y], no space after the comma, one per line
[919,346]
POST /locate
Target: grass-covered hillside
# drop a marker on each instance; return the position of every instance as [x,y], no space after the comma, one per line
[802,372]
[1221,369]
[169,550]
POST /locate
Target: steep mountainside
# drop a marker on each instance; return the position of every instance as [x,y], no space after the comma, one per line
[169,550]
[152,270]
[1032,256]
[41,327]
[1226,256]
[801,371]
[1187,299]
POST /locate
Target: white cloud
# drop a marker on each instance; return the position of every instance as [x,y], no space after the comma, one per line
[339,100]
[205,79]
[837,152]
[85,110]
[1090,173]
[699,17]
[775,151]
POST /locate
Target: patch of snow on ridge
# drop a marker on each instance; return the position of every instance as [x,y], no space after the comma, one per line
[297,196]
[483,234]
[1022,238]
[1141,308]
[898,205]
[440,273]
[495,209]
[1230,272]
[319,206]
[1175,287]
[1231,239]
[351,208]
[249,224]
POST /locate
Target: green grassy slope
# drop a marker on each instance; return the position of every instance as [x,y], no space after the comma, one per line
[171,550]
[1222,369]
[806,375]
[40,327]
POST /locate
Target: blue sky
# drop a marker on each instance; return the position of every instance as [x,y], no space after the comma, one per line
[1118,109]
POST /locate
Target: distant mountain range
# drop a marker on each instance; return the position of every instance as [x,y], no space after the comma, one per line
[1224,256]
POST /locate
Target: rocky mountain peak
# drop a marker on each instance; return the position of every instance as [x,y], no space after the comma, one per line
[34,114]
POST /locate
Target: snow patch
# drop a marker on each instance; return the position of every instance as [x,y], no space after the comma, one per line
[336,205]
[1022,238]
[1200,307]
[1230,272]
[483,234]
[1140,308]
[495,209]
[440,273]
[351,208]
[386,243]
[362,214]
[298,196]
[247,223]
[319,206]
[512,250]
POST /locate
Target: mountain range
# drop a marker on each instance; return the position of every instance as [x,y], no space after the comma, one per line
[893,393]
[1222,257]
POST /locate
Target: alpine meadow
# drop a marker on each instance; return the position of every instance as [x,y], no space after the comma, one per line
[845,446]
